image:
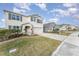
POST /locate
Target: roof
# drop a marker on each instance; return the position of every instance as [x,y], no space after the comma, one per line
[21,14]
[50,23]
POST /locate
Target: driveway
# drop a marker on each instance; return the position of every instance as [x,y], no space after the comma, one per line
[73,39]
[54,36]
[69,47]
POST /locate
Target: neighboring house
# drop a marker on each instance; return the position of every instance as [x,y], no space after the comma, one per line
[64,27]
[56,28]
[67,27]
[48,27]
[27,24]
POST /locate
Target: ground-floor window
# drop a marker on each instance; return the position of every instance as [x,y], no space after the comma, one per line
[15,27]
[9,27]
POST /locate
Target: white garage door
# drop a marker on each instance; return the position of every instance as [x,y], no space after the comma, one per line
[38,30]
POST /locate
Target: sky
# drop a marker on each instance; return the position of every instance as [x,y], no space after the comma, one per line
[60,13]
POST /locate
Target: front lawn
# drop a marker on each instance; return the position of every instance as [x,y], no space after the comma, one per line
[65,33]
[29,46]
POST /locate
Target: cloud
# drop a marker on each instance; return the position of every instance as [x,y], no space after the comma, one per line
[67,12]
[3,20]
[76,16]
[26,7]
[2,23]
[69,5]
[23,6]
[60,12]
[72,10]
[15,9]
[53,20]
[42,6]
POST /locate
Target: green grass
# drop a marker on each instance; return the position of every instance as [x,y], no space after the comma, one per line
[29,46]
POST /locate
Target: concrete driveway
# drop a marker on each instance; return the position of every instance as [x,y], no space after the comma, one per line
[54,36]
[73,39]
[69,47]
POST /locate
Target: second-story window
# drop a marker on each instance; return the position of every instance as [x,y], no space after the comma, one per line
[9,16]
[18,18]
[31,18]
[13,16]
[39,21]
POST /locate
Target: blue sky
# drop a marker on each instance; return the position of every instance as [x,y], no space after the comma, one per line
[60,13]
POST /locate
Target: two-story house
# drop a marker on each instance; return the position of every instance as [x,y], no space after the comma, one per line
[32,24]
[49,27]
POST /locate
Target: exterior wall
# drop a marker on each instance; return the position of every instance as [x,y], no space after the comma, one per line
[23,27]
[26,19]
[37,27]
[49,27]
[36,24]
[37,30]
[6,21]
[11,22]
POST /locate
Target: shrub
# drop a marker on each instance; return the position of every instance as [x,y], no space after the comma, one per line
[9,33]
[3,32]
[56,30]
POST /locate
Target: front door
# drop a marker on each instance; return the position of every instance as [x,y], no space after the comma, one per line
[28,30]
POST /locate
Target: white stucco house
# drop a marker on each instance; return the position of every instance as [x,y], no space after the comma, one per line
[32,24]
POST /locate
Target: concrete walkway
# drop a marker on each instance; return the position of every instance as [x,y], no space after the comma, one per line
[69,47]
[54,36]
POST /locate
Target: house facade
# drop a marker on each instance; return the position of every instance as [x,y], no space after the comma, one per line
[49,27]
[32,24]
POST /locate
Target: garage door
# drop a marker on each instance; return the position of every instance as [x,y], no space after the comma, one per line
[38,30]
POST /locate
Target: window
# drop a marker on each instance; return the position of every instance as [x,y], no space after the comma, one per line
[17,27]
[13,16]
[14,27]
[9,16]
[18,18]
[31,18]
[39,21]
[35,19]
[21,18]
[9,27]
